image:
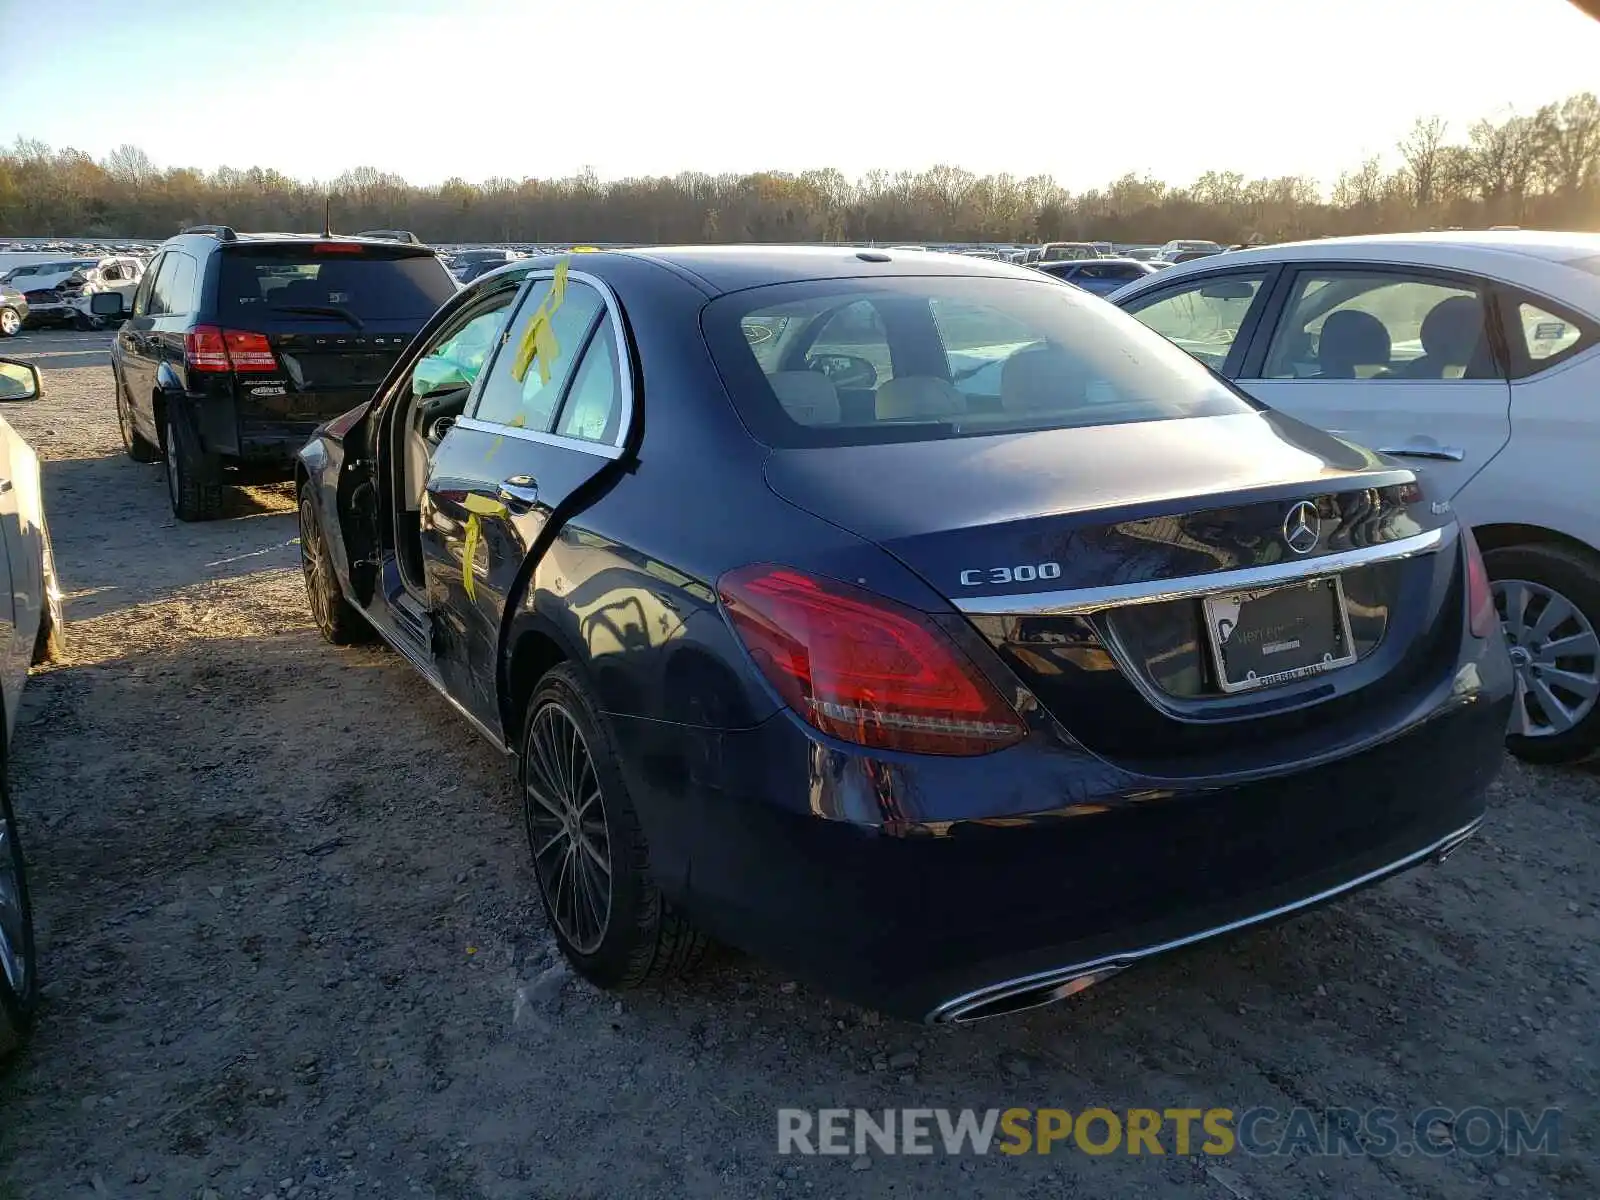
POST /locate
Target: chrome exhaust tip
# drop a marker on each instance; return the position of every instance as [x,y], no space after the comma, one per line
[1005,1000]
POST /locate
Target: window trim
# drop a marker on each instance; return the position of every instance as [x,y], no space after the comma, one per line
[1522,366]
[1289,279]
[1244,341]
[628,392]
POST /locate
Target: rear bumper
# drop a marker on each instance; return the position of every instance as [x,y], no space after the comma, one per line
[922,886]
[264,447]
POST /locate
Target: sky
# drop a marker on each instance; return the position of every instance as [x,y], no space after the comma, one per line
[431,89]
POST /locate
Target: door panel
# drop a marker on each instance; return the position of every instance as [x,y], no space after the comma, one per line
[498,490]
[1401,361]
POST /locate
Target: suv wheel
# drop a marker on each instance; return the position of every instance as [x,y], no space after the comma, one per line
[10,322]
[19,963]
[194,483]
[138,447]
[589,853]
[1549,603]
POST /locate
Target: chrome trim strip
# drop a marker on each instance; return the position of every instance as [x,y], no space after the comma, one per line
[598,449]
[1152,591]
[951,1009]
[624,369]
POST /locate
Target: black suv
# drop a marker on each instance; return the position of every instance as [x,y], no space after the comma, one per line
[239,345]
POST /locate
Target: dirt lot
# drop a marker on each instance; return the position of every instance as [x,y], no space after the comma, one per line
[293,946]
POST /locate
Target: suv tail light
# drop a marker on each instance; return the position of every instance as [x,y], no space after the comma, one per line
[249,351]
[207,348]
[1481,614]
[204,349]
[863,668]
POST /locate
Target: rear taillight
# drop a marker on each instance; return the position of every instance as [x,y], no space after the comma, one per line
[204,349]
[864,668]
[249,351]
[207,348]
[1481,615]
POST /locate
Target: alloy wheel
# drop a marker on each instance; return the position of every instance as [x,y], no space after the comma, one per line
[311,563]
[13,935]
[567,828]
[10,322]
[1556,656]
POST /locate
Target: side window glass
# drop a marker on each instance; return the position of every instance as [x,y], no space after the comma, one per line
[159,305]
[593,408]
[1350,325]
[1547,336]
[1203,319]
[457,358]
[180,297]
[141,299]
[546,335]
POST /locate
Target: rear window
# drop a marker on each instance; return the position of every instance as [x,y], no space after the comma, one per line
[275,284]
[849,362]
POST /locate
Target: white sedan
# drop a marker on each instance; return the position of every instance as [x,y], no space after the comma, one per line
[31,632]
[1471,356]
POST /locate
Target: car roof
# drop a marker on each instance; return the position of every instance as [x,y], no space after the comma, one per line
[720,269]
[1544,262]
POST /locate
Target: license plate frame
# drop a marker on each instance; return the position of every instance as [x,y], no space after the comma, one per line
[1225,606]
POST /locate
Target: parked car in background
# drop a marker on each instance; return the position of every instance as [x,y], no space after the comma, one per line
[1102,276]
[238,345]
[887,726]
[47,287]
[1064,251]
[1142,253]
[13,310]
[1171,250]
[468,265]
[119,274]
[31,632]
[1471,355]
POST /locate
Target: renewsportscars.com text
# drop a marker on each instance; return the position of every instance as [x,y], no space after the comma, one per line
[1259,1131]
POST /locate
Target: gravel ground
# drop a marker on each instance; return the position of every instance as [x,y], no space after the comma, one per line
[293,947]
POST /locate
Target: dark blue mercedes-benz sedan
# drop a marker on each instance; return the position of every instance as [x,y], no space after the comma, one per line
[923,626]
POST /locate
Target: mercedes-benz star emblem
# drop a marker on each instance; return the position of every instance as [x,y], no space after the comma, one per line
[1302,528]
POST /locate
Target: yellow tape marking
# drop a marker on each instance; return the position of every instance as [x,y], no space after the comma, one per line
[477,508]
[539,341]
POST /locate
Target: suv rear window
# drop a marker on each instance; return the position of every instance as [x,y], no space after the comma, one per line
[846,362]
[260,283]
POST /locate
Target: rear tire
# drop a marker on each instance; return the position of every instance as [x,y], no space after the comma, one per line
[194,478]
[336,618]
[638,937]
[10,322]
[138,447]
[19,997]
[1548,597]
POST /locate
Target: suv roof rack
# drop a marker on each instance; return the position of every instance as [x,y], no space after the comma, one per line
[223,233]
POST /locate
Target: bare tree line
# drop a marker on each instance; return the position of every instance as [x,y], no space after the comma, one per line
[1538,170]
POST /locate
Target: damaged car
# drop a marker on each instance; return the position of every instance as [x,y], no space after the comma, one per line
[119,275]
[952,691]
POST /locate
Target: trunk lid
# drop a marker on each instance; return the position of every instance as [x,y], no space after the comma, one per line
[1060,547]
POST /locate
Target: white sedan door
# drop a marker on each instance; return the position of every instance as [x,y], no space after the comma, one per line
[21,531]
[1396,360]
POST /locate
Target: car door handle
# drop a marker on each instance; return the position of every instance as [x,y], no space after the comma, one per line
[5,486]
[1440,453]
[521,494]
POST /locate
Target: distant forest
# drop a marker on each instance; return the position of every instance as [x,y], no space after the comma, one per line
[1540,170]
